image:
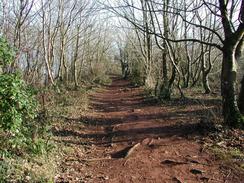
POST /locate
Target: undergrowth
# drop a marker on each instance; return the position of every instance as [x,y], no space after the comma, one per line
[39,159]
[233,156]
[24,128]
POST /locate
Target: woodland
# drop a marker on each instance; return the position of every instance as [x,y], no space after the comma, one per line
[122,91]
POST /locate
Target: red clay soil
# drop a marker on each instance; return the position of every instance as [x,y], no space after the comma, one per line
[130,139]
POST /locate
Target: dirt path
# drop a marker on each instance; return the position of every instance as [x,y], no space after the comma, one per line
[127,139]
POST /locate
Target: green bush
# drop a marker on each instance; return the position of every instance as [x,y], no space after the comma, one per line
[18,109]
[4,169]
[7,53]
[17,104]
[23,131]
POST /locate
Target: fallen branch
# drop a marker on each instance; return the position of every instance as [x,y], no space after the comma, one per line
[132,149]
[126,152]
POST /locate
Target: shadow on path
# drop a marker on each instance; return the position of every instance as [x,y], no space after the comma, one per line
[123,114]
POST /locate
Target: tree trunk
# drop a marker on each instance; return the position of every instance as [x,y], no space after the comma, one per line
[76,57]
[205,75]
[186,85]
[241,97]
[147,45]
[165,91]
[239,58]
[231,112]
[206,83]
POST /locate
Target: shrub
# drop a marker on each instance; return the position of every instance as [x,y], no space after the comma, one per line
[17,107]
[16,103]
[21,129]
[7,53]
